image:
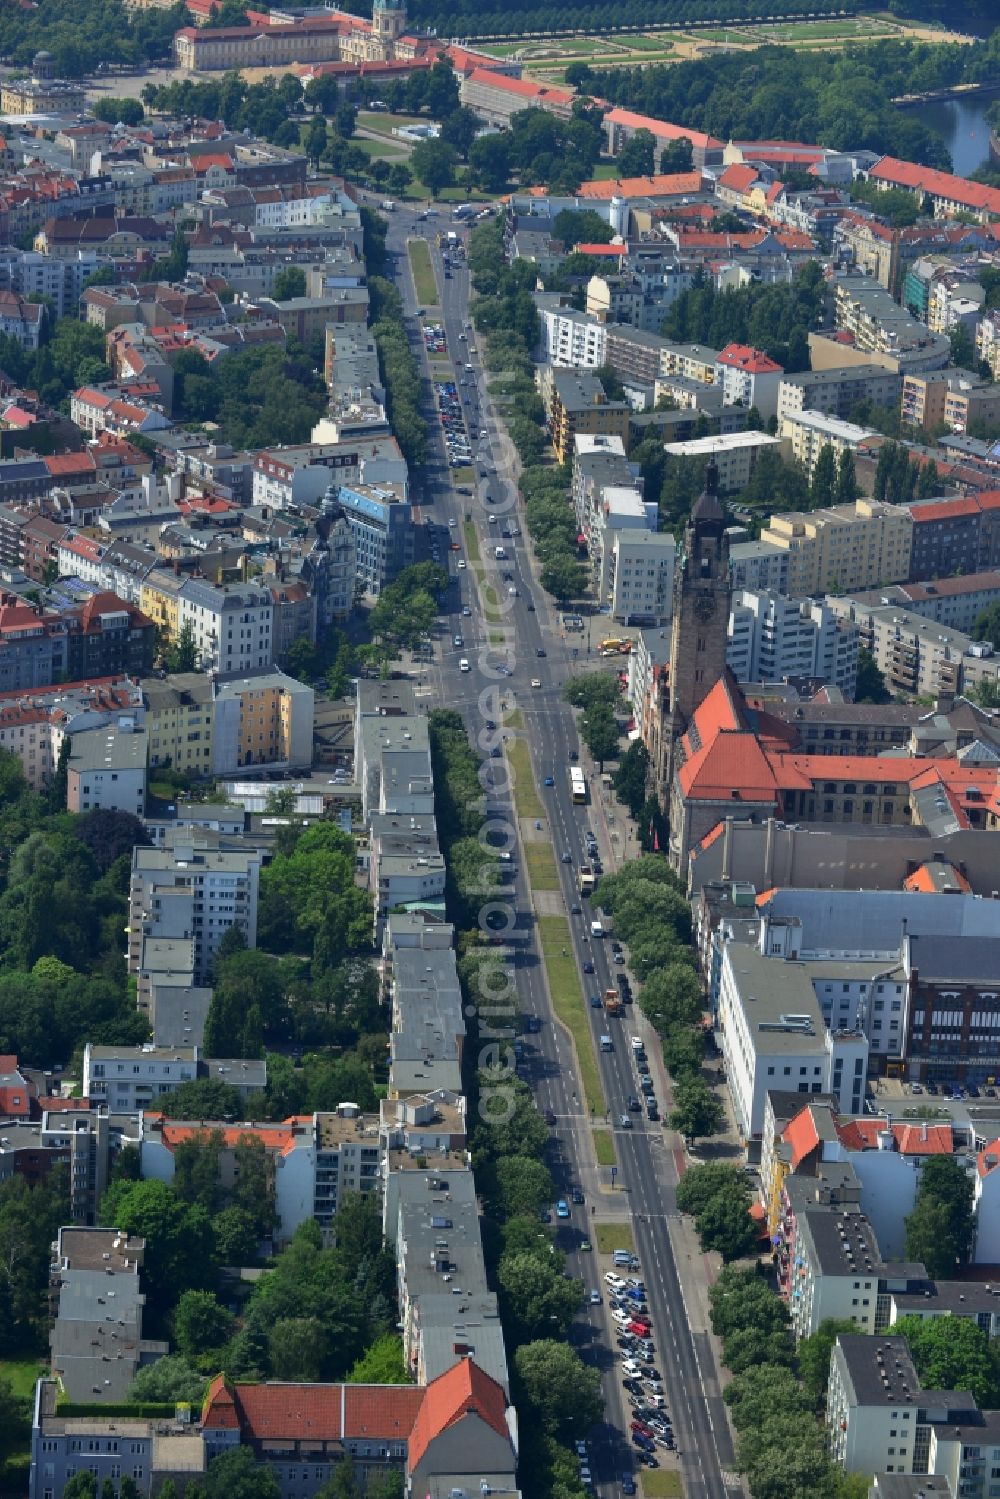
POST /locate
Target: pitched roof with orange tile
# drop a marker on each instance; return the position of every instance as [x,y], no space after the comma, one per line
[661,129]
[988,1158]
[276,1137]
[744,357]
[463,1389]
[939,184]
[524,88]
[739,177]
[802,1135]
[662,185]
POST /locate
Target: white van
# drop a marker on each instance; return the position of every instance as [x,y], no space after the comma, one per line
[499,553]
[597,929]
[463,665]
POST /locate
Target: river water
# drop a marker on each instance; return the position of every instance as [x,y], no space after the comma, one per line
[962,124]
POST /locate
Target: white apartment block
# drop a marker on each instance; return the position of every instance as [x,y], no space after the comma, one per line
[734,454]
[773,638]
[571,338]
[642,577]
[844,547]
[189,890]
[132,1078]
[872,1405]
[774,1036]
[918,655]
[232,624]
[809,432]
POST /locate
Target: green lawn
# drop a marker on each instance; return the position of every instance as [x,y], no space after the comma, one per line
[514,719]
[604,1147]
[373,149]
[612,1236]
[661,1483]
[605,171]
[462,476]
[526,798]
[541,862]
[373,119]
[471,540]
[568,1002]
[22,1373]
[423,272]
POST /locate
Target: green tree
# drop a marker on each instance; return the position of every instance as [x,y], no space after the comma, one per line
[291,279]
[574,227]
[182,653]
[629,779]
[684,1050]
[637,156]
[168,1380]
[381,1364]
[459,130]
[537,1299]
[237,1474]
[823,487]
[870,686]
[677,156]
[847,483]
[708,1179]
[987,626]
[952,1353]
[124,110]
[697,1111]
[941,1228]
[203,1098]
[523,1186]
[433,162]
[489,162]
[201,1325]
[814,1352]
[179,1245]
[82,1485]
[298,1348]
[561,1388]
[601,734]
[236,1237]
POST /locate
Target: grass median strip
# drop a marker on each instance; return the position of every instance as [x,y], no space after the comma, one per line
[662,1484]
[567,1000]
[526,798]
[471,540]
[612,1236]
[423,271]
[542,871]
[604,1148]
[512,720]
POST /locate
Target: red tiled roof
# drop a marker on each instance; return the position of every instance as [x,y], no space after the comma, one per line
[662,129]
[463,1389]
[277,1137]
[802,1135]
[661,185]
[602,249]
[939,184]
[909,1139]
[731,767]
[988,1158]
[743,357]
[739,177]
[921,881]
[524,88]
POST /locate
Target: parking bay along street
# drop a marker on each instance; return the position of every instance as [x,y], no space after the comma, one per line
[501,639]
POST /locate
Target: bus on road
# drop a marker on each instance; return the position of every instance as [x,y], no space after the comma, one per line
[578,784]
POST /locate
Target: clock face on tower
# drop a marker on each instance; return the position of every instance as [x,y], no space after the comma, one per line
[704,605]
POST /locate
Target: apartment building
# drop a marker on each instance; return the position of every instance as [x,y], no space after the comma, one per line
[957,602]
[773,639]
[774,1036]
[953,536]
[952,398]
[809,432]
[879,325]
[570,339]
[878,1417]
[131,1079]
[691,361]
[748,378]
[838,391]
[380,517]
[734,454]
[640,579]
[190,888]
[575,404]
[231,622]
[107,769]
[843,546]
[261,718]
[758,564]
[918,656]
[96,1339]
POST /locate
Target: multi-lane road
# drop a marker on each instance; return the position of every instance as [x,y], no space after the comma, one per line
[647,1153]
